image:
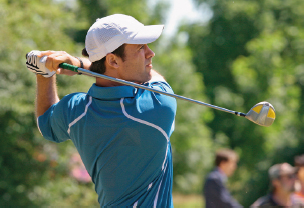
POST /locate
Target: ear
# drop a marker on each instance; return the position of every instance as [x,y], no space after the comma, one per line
[112,60]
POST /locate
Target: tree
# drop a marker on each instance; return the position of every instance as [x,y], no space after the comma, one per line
[253,51]
[26,25]
[37,171]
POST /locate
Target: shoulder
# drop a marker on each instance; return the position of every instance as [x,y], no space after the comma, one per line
[70,103]
[213,179]
[214,175]
[160,101]
[73,98]
[297,200]
[161,85]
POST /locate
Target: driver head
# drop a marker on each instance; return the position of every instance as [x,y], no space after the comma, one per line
[262,113]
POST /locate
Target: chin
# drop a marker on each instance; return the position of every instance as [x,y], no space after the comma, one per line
[145,78]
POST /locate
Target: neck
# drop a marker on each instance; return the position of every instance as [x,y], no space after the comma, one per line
[106,83]
[282,198]
[111,72]
[223,170]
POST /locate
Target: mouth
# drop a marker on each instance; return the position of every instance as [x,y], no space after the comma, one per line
[149,65]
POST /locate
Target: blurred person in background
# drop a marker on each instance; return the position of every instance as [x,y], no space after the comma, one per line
[282,177]
[215,192]
[299,164]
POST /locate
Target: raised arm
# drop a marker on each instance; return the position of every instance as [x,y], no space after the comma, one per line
[46,93]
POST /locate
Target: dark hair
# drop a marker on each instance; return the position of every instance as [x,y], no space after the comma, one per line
[99,66]
[225,155]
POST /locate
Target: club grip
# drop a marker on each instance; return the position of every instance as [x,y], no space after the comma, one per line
[69,67]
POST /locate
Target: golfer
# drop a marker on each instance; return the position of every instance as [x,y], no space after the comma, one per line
[121,132]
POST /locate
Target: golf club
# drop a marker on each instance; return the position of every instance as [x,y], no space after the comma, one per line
[262,113]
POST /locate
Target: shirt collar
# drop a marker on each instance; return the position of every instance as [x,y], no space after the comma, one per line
[108,93]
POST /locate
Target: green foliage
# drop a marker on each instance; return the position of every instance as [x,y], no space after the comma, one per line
[253,51]
[36,171]
[18,170]
[249,52]
[25,26]
[191,138]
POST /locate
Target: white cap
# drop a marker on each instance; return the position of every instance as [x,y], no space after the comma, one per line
[109,33]
[278,170]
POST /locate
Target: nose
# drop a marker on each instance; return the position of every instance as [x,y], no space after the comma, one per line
[149,53]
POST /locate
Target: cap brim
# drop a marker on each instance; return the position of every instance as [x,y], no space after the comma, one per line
[147,34]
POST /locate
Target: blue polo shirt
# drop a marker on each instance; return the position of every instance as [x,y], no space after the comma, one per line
[122,135]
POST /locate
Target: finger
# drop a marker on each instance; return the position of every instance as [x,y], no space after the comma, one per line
[65,72]
[54,59]
[45,53]
[58,71]
[51,63]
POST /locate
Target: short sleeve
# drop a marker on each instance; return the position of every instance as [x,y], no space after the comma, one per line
[52,123]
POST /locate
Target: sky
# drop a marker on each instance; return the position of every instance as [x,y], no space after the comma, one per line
[183,11]
[179,11]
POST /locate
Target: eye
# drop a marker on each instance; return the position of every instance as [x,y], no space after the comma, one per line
[142,46]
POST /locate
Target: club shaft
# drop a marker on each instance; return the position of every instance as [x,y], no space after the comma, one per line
[93,74]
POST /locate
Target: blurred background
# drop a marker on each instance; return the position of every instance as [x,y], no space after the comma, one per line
[232,53]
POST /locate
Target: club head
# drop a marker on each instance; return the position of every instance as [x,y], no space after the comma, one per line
[262,113]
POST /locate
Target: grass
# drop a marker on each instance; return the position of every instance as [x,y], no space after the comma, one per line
[187,201]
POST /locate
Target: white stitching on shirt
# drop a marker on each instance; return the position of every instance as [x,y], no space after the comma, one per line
[156,127]
[142,121]
[157,195]
[82,115]
[38,126]
[135,204]
[148,124]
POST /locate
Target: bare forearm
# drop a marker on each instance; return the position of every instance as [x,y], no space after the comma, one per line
[46,94]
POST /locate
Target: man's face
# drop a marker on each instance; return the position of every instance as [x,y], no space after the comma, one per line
[287,182]
[229,166]
[137,63]
[232,164]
